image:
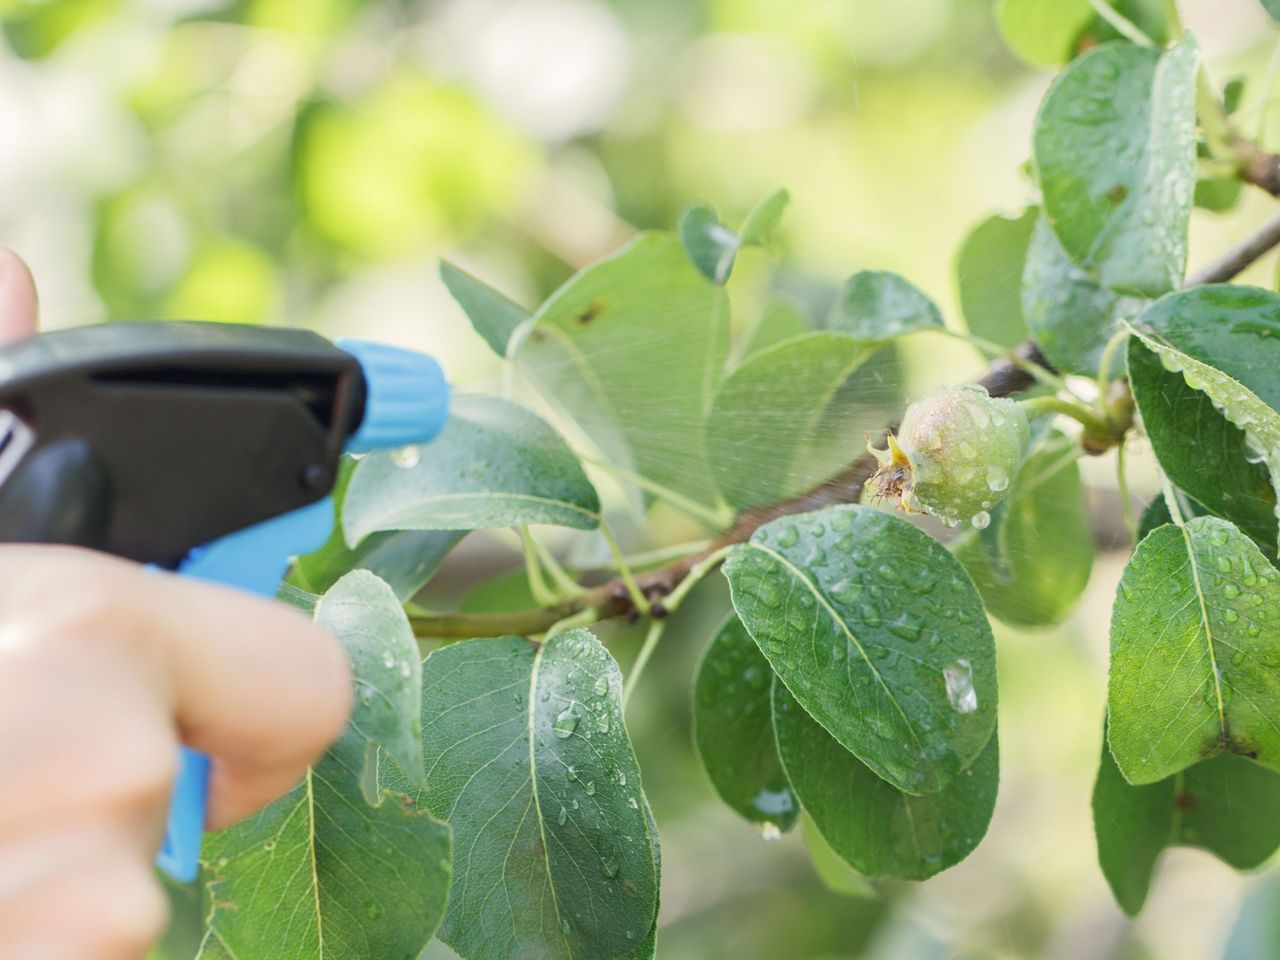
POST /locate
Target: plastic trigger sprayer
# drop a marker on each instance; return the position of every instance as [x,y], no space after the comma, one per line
[206,448]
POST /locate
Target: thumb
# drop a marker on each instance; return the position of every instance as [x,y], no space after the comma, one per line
[18,303]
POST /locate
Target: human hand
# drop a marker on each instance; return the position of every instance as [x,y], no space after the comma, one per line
[104,668]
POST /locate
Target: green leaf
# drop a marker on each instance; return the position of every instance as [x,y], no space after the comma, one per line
[764,218]
[836,875]
[1043,32]
[528,759]
[767,433]
[880,831]
[1033,560]
[633,349]
[1201,451]
[875,306]
[780,320]
[1115,154]
[879,633]
[733,728]
[1228,806]
[989,277]
[494,316]
[405,560]
[1195,647]
[711,246]
[1272,7]
[1070,316]
[495,464]
[321,872]
[1222,339]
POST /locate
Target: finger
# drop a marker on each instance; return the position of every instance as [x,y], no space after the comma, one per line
[18,303]
[249,681]
[100,901]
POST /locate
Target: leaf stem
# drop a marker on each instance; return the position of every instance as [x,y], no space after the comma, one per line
[582,618]
[543,595]
[1126,498]
[1094,425]
[699,570]
[645,558]
[565,584]
[638,599]
[1123,25]
[656,629]
[1108,359]
[711,516]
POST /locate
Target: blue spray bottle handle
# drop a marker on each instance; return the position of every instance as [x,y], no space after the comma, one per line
[407,401]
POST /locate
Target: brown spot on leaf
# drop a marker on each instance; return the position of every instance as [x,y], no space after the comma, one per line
[1117,193]
[539,850]
[590,312]
[628,888]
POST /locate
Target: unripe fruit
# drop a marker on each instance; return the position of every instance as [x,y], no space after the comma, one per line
[954,455]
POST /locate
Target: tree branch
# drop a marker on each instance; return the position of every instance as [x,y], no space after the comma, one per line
[1002,379]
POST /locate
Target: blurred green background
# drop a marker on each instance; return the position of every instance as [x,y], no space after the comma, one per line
[306,162]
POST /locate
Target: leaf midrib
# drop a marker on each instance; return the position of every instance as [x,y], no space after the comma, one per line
[407,512]
[1208,631]
[533,787]
[835,617]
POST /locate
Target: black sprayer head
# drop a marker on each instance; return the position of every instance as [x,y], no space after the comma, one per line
[146,440]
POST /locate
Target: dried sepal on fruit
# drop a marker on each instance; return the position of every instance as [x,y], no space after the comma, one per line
[953,455]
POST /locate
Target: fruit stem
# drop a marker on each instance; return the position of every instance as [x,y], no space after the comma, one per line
[1095,427]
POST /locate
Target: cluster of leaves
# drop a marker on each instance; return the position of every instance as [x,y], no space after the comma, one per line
[490,794]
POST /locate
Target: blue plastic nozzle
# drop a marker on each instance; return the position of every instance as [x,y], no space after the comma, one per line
[407,396]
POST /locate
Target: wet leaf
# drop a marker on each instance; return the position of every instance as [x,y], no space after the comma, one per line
[733,728]
[1115,154]
[896,658]
[495,464]
[528,760]
[1228,806]
[635,362]
[1200,450]
[879,830]
[321,872]
[1070,316]
[1195,652]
